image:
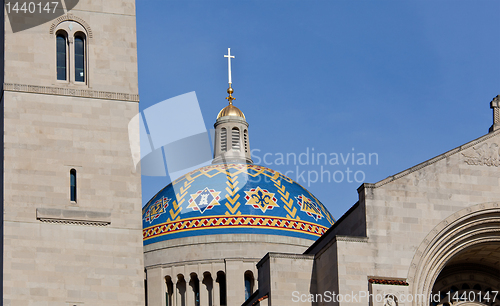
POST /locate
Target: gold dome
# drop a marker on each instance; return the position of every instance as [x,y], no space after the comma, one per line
[230,110]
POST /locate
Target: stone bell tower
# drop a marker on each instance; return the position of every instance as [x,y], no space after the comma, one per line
[231,130]
[71,194]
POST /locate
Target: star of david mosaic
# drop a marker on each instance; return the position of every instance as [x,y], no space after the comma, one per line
[159,207]
[310,207]
[261,199]
[204,199]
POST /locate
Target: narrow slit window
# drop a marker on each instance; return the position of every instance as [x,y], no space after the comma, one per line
[72,188]
[245,136]
[223,140]
[236,139]
[79,59]
[61,57]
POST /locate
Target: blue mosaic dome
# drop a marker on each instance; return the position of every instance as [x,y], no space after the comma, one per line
[234,199]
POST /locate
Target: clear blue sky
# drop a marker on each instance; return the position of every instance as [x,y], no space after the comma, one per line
[407,80]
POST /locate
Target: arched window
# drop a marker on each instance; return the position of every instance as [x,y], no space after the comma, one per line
[223,140]
[61,56]
[181,290]
[195,285]
[72,185]
[235,139]
[248,284]
[208,282]
[221,279]
[79,57]
[72,52]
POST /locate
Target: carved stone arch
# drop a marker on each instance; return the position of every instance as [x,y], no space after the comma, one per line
[70,17]
[464,229]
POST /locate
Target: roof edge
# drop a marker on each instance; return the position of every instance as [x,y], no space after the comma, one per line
[429,161]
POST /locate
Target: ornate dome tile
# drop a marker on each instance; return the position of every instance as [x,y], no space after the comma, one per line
[234,198]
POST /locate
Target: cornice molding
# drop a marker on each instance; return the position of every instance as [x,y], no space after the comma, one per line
[74,222]
[195,262]
[71,92]
[283,255]
[73,216]
[351,238]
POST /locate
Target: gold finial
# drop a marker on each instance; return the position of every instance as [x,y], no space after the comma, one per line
[230,92]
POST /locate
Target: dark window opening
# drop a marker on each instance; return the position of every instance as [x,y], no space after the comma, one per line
[72,188]
[197,292]
[221,279]
[248,284]
[169,291]
[61,57]
[79,59]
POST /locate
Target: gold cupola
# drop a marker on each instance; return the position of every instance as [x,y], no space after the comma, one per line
[231,143]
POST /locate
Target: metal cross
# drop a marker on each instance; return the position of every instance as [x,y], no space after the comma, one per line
[229,57]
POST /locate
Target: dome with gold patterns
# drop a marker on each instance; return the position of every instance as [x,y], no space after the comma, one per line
[234,199]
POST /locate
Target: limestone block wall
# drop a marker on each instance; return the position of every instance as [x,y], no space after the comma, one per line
[287,279]
[95,261]
[403,210]
[58,251]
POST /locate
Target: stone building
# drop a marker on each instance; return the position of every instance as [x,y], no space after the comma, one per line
[71,194]
[429,235]
[235,233]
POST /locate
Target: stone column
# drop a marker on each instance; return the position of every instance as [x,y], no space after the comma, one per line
[216,292]
[174,295]
[190,292]
[235,282]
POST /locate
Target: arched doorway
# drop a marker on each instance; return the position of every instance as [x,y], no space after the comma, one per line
[470,278]
[458,263]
